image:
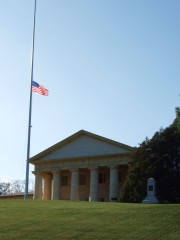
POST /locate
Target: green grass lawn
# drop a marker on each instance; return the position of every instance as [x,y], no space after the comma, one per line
[29,219]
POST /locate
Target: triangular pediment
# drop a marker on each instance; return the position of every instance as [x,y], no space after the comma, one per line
[82,144]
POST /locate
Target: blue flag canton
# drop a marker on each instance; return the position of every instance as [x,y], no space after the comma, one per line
[35,84]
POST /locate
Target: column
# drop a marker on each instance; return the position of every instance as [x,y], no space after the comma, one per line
[56,185]
[74,184]
[93,184]
[47,187]
[114,185]
[38,186]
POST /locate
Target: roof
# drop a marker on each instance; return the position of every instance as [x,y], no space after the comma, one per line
[71,139]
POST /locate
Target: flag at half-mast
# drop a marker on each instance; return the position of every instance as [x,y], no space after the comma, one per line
[39,89]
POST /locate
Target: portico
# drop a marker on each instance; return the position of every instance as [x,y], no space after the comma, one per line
[84,167]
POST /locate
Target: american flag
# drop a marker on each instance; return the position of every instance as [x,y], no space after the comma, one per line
[39,89]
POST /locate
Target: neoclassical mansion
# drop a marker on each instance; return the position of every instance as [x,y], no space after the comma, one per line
[84,166]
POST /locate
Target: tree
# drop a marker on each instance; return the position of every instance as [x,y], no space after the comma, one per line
[15,186]
[159,158]
[18,186]
[4,188]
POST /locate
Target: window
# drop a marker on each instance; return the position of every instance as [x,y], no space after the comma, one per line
[82,180]
[64,181]
[102,177]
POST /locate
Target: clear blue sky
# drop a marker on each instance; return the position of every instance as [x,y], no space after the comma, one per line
[112,67]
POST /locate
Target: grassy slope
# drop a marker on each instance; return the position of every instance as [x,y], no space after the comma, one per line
[83,220]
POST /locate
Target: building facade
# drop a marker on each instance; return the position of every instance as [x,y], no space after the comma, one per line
[84,167]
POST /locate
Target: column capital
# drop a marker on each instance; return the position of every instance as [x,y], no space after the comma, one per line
[37,173]
[113,166]
[56,172]
[74,169]
[47,175]
[93,168]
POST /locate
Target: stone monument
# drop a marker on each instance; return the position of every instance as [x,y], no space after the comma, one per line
[151,191]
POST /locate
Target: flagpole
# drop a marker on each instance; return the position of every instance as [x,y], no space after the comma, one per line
[30,109]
